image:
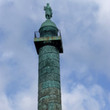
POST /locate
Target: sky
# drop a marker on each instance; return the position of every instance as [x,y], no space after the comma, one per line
[85,63]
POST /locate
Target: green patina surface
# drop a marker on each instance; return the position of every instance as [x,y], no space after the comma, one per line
[49,92]
[48,47]
[48,11]
[48,28]
[48,22]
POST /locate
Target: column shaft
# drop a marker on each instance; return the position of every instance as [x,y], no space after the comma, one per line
[49,90]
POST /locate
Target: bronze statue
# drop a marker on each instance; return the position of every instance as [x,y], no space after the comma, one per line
[48,11]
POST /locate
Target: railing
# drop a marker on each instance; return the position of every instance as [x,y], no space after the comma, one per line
[37,34]
[59,33]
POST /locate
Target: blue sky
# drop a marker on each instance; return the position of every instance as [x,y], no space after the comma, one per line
[85,71]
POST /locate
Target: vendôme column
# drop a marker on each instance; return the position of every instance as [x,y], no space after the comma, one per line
[48,47]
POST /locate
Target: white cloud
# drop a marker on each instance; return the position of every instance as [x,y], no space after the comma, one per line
[86,39]
[4,102]
[82,98]
[86,45]
[104,10]
[25,100]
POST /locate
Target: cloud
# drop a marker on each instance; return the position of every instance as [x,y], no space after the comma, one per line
[26,99]
[104,10]
[82,98]
[85,32]
[86,37]
[4,102]
[16,77]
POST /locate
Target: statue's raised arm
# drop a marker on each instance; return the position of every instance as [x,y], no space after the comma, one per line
[48,11]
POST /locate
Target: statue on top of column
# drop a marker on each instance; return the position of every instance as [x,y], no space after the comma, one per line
[48,11]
